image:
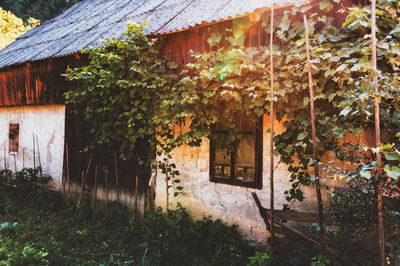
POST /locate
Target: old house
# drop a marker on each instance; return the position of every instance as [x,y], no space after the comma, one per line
[35,120]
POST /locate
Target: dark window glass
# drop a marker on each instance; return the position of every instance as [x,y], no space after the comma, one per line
[13,137]
[243,164]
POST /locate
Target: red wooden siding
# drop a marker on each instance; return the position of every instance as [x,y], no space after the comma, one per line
[35,83]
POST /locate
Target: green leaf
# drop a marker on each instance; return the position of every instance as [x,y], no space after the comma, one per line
[172,65]
[345,111]
[392,172]
[386,147]
[392,156]
[214,39]
[302,135]
[341,67]
[376,149]
[4,225]
[285,23]
[366,174]
[325,5]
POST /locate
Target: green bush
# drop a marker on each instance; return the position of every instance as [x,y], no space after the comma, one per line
[51,230]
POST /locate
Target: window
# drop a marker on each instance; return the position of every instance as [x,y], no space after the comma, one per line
[243,165]
[13,137]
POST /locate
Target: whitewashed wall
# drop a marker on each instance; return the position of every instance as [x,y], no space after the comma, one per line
[48,123]
[232,204]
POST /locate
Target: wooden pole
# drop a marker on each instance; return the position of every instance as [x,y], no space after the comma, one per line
[136,195]
[38,150]
[82,182]
[89,164]
[106,180]
[314,137]
[15,163]
[166,190]
[95,185]
[84,178]
[381,233]
[34,155]
[34,151]
[116,174]
[68,183]
[40,163]
[5,157]
[271,142]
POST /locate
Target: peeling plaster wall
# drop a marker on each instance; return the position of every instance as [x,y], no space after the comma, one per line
[232,204]
[45,121]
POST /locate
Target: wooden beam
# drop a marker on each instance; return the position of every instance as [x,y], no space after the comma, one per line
[381,233]
[314,136]
[271,142]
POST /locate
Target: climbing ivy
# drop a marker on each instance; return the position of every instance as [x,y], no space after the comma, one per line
[129,91]
[232,81]
[121,89]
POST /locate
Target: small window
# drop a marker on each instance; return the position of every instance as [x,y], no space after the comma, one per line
[13,136]
[242,165]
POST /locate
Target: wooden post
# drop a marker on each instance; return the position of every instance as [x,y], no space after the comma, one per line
[82,184]
[381,233]
[40,163]
[38,150]
[95,185]
[89,164]
[23,158]
[68,184]
[271,141]
[106,180]
[34,154]
[84,178]
[166,190]
[116,174]
[314,137]
[34,151]
[136,195]
[15,163]
[5,157]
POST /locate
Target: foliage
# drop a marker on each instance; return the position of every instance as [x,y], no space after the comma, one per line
[320,260]
[352,215]
[225,84]
[121,89]
[12,26]
[260,258]
[39,9]
[25,177]
[43,228]
[217,90]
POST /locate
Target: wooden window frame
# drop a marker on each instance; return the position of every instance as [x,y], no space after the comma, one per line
[257,183]
[13,142]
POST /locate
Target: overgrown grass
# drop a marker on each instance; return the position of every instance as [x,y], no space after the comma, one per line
[39,227]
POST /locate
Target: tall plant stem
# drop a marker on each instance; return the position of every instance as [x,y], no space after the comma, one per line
[381,233]
[271,143]
[314,137]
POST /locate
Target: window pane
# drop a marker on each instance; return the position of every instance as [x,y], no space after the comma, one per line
[13,136]
[246,156]
[222,163]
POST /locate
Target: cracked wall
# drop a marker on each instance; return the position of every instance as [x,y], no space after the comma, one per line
[232,204]
[45,121]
